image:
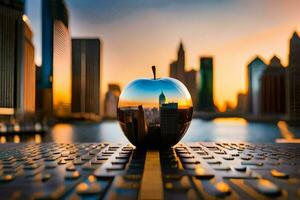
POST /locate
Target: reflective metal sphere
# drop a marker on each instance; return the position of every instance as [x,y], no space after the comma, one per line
[155,112]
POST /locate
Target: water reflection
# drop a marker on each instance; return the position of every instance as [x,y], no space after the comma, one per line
[284,130]
[17,139]
[234,130]
[62,133]
[233,121]
[38,138]
[2,139]
[24,137]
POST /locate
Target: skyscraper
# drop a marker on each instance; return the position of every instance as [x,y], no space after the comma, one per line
[169,119]
[38,91]
[294,78]
[241,107]
[173,69]
[177,67]
[11,55]
[162,99]
[28,82]
[188,78]
[141,124]
[56,53]
[86,76]
[205,100]
[255,70]
[191,84]
[181,63]
[16,60]
[273,89]
[111,100]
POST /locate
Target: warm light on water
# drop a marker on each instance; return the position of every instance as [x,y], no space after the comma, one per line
[285,132]
[37,138]
[62,133]
[2,139]
[17,139]
[218,130]
[233,121]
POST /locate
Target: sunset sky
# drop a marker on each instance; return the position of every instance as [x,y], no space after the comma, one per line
[138,34]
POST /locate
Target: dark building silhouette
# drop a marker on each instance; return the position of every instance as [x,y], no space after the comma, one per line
[273,88]
[255,70]
[205,100]
[191,84]
[173,69]
[242,100]
[169,120]
[17,76]
[38,92]
[141,124]
[188,78]
[86,76]
[111,100]
[177,68]
[127,117]
[56,63]
[294,78]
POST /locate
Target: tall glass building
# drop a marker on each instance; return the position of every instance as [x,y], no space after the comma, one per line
[17,74]
[55,81]
[86,76]
[255,71]
[205,100]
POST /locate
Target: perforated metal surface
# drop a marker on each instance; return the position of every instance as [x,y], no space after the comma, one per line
[117,171]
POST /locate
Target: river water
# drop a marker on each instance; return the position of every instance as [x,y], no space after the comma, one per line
[219,130]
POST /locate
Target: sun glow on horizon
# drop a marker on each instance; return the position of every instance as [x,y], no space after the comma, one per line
[233,32]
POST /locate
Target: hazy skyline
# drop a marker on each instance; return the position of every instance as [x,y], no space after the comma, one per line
[138,35]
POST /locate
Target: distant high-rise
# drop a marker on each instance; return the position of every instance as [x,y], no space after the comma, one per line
[241,107]
[17,74]
[111,100]
[181,63]
[173,69]
[191,84]
[294,78]
[86,76]
[205,100]
[162,99]
[56,63]
[255,70]
[273,88]
[188,78]
[177,67]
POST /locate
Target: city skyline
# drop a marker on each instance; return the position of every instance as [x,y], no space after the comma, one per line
[216,33]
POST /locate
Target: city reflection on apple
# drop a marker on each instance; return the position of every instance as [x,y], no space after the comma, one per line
[155,112]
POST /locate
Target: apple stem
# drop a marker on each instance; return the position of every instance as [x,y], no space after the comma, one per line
[154,71]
